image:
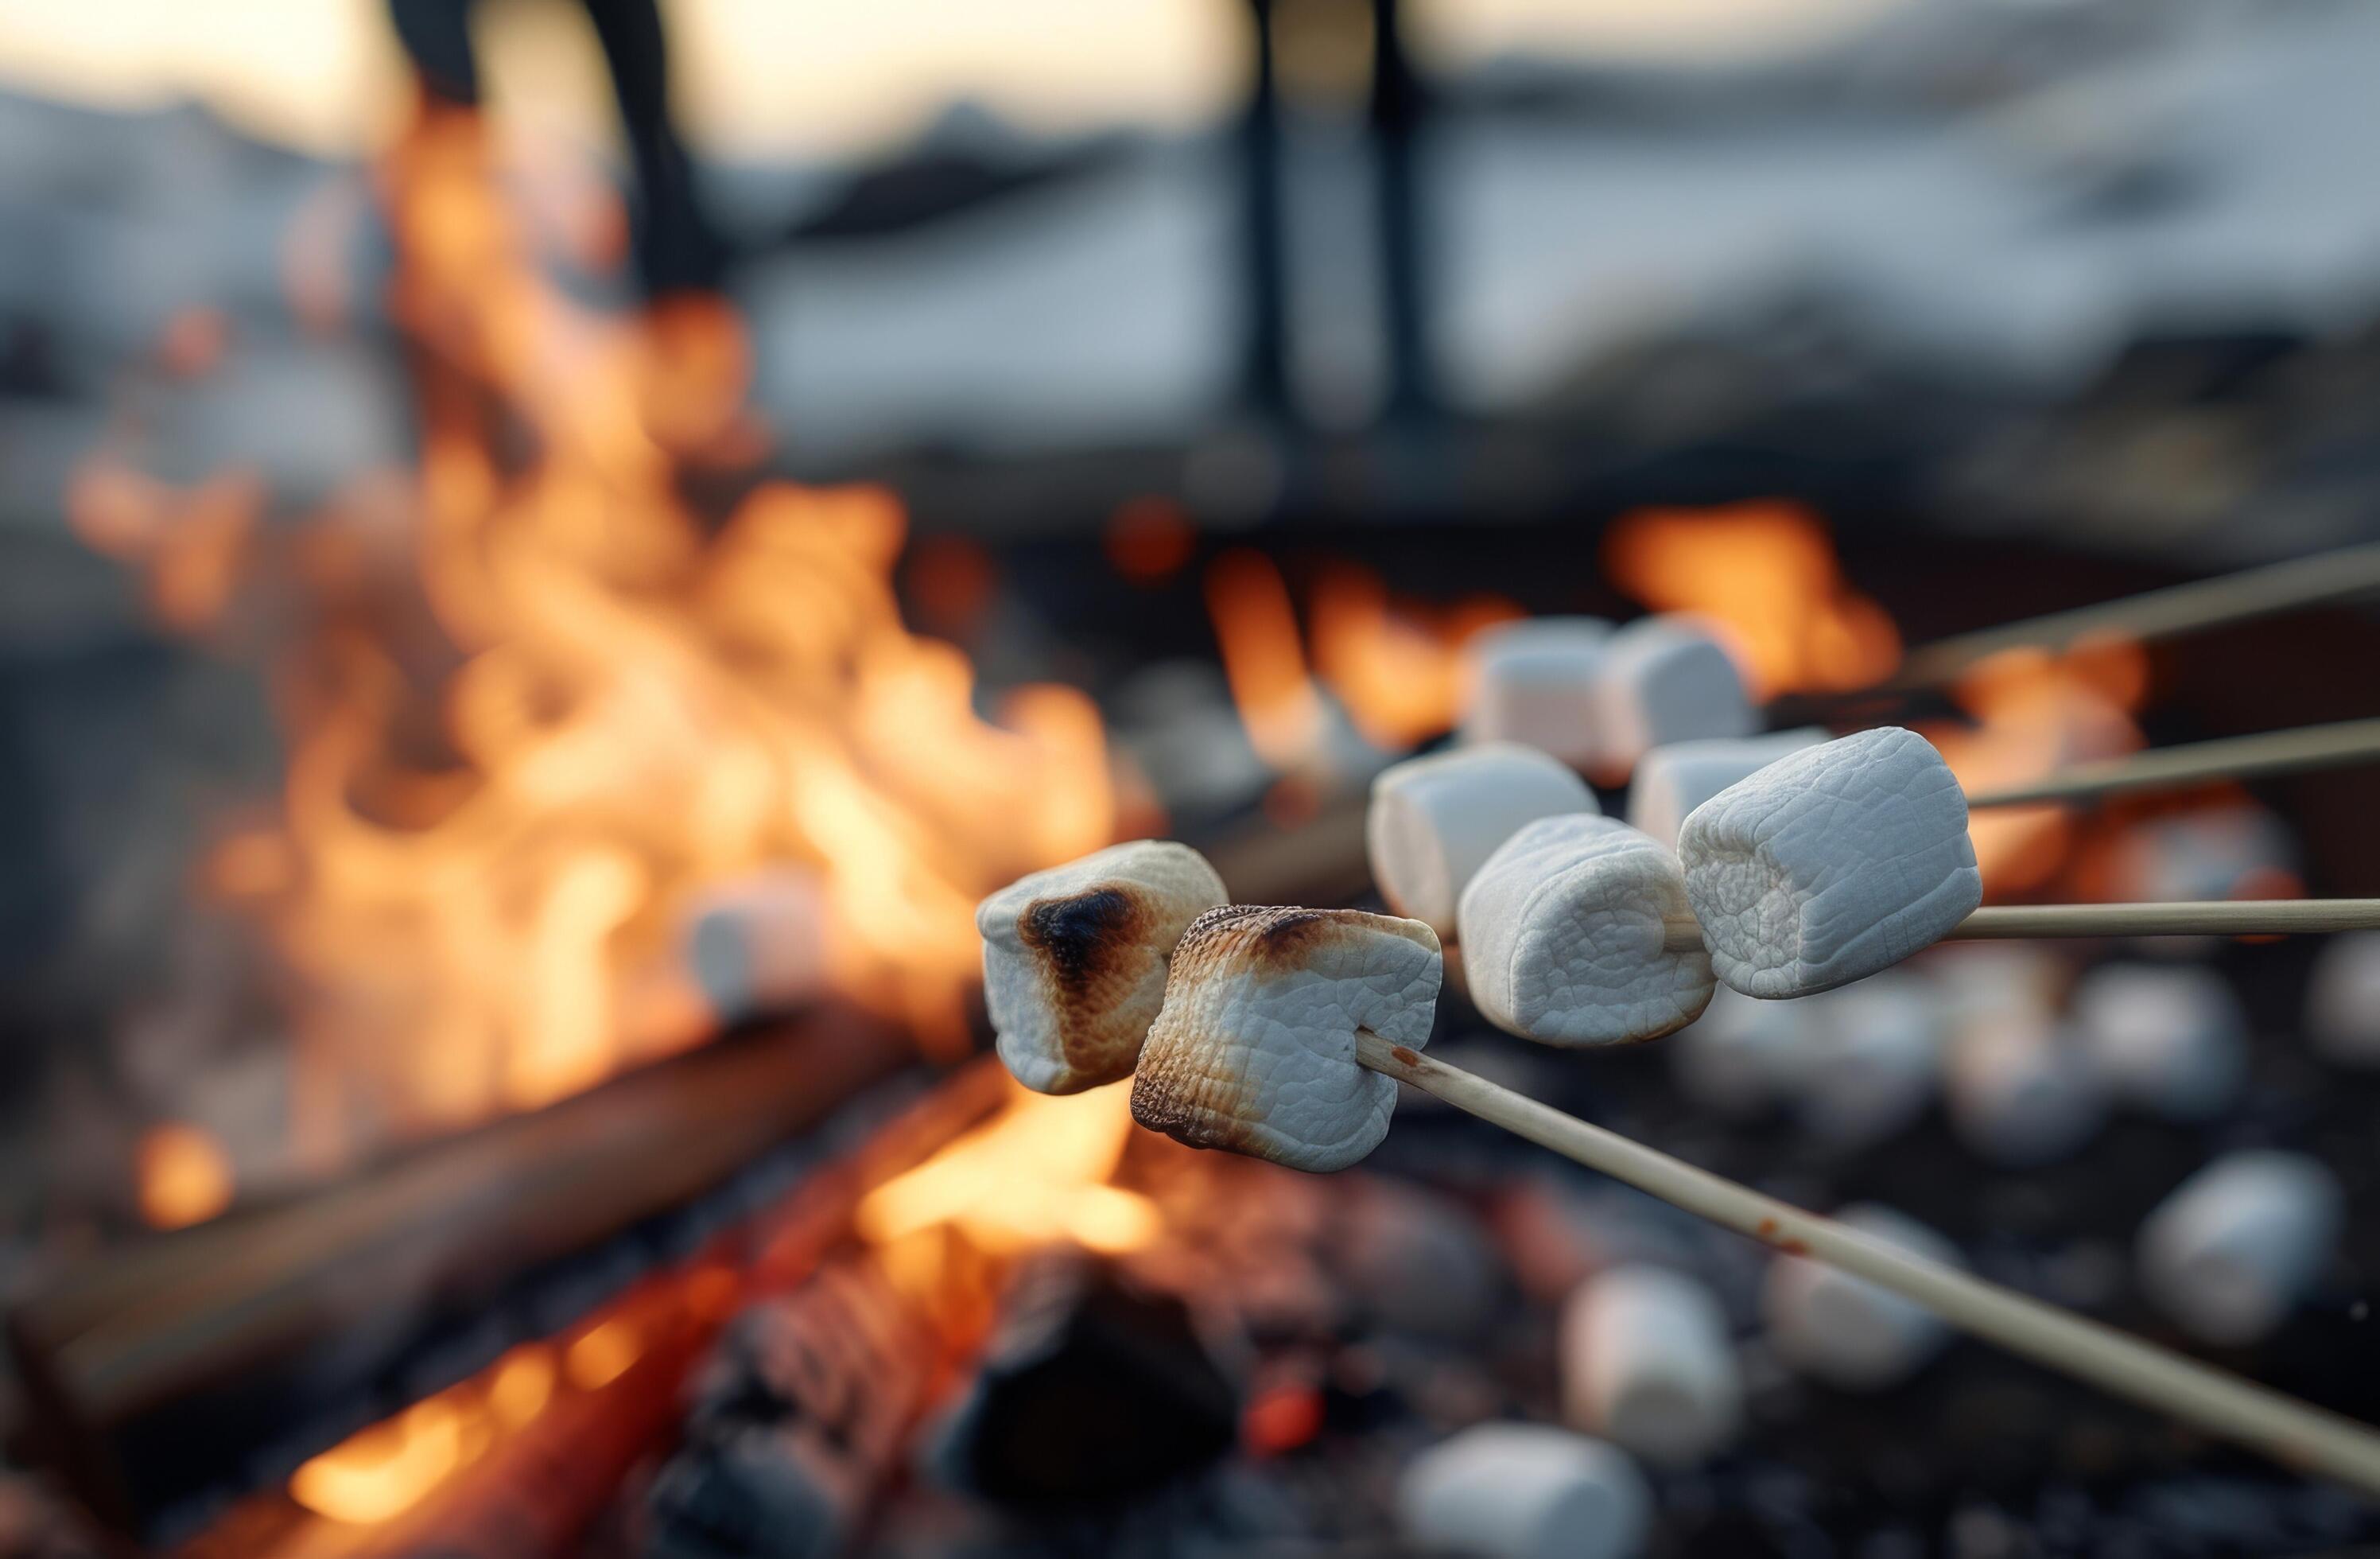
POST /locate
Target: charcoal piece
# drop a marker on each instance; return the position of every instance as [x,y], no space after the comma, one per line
[1092,1389]
[748,1492]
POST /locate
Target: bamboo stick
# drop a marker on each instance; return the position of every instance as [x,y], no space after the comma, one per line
[2161,614]
[2275,916]
[2231,758]
[2294,1433]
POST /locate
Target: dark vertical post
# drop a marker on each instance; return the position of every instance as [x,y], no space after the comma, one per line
[1396,117]
[1263,252]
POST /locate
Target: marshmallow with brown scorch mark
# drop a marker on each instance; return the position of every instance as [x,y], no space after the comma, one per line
[1075,958]
[1254,1049]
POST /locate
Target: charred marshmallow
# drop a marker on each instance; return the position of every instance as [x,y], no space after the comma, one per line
[1435,821]
[1830,864]
[1255,1048]
[1562,934]
[1075,958]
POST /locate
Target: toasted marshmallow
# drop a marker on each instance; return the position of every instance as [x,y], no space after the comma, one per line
[1075,958]
[1844,1330]
[1255,1048]
[1435,821]
[1534,682]
[1562,936]
[2166,1037]
[1829,864]
[1672,781]
[2343,1000]
[1647,1361]
[2233,1249]
[1665,679]
[2022,1091]
[1509,1491]
[1739,1059]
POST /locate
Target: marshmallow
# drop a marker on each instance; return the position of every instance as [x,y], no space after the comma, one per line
[1534,682]
[1525,1491]
[2343,999]
[1844,1330]
[1075,958]
[1562,934]
[1665,679]
[1255,1048]
[1866,1060]
[2168,1039]
[1673,780]
[1647,1361]
[1435,821]
[2020,1090]
[2224,852]
[1829,864]
[758,941]
[1738,1058]
[2237,1245]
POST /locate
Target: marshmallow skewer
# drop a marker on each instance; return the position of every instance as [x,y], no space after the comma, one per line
[2161,614]
[2230,917]
[2294,1433]
[2231,758]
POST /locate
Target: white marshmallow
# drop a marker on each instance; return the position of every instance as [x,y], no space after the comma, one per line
[2201,855]
[1075,958]
[1866,1060]
[2343,999]
[2166,1037]
[1562,935]
[756,942]
[2233,1249]
[1665,679]
[1255,1048]
[1434,822]
[1739,1059]
[1534,682]
[1831,863]
[1509,1491]
[1648,1362]
[2022,1091]
[1844,1330]
[1672,781]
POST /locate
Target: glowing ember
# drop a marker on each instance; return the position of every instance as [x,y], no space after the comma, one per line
[1766,572]
[386,1471]
[185,1178]
[534,705]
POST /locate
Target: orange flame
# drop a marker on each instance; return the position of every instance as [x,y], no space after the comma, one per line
[1263,658]
[1396,665]
[534,705]
[1766,572]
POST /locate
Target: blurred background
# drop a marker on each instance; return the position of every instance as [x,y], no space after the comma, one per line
[552,550]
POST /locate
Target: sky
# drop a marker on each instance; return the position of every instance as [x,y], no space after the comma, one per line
[789,78]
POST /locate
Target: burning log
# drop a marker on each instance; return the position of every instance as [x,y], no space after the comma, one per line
[158,1371]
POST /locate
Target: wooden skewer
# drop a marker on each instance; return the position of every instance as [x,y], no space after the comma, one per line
[2292,1432]
[2161,614]
[2231,758]
[2274,917]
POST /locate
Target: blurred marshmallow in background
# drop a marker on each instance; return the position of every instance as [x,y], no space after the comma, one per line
[1434,821]
[2343,1000]
[1672,780]
[1737,1060]
[1980,979]
[2231,1252]
[1510,1490]
[2167,1039]
[1534,682]
[2020,1090]
[1646,1360]
[756,943]
[1866,1060]
[1845,1331]
[1665,679]
[2235,851]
